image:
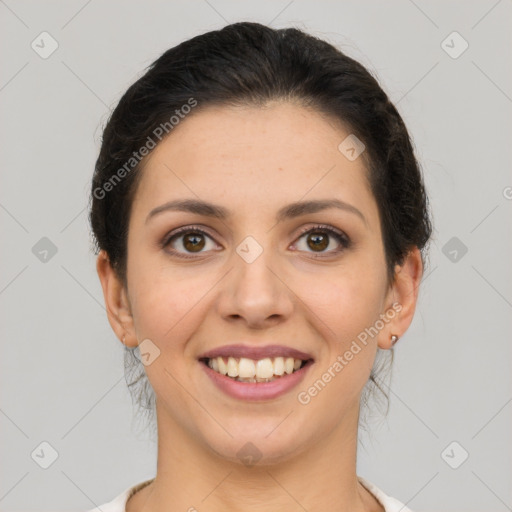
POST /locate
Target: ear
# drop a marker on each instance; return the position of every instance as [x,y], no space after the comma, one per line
[116,301]
[403,293]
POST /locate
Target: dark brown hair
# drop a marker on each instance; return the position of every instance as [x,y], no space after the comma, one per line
[251,64]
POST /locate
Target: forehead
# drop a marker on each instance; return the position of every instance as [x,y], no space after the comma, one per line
[251,157]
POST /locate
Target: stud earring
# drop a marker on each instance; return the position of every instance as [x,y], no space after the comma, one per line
[394,339]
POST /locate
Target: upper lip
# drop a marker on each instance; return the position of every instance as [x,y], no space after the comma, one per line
[255,353]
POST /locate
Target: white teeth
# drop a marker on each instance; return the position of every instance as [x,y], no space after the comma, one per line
[278,366]
[264,369]
[223,369]
[232,367]
[246,368]
[254,371]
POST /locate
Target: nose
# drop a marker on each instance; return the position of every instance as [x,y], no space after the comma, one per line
[256,292]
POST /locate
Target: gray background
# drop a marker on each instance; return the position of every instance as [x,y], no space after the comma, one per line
[62,378]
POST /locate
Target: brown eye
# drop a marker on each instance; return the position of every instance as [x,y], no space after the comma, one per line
[319,238]
[193,242]
[186,240]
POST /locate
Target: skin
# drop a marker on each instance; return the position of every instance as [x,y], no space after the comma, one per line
[254,161]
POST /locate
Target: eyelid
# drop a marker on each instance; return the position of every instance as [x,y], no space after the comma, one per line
[324,227]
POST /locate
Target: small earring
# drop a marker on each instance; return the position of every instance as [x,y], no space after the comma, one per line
[124,339]
[394,339]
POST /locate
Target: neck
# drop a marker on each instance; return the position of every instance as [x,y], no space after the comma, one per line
[190,476]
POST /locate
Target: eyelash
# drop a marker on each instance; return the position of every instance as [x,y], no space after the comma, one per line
[339,236]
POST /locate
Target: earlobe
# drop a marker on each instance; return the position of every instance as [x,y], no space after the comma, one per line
[405,290]
[116,301]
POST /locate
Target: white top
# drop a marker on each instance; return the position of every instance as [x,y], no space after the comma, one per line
[118,504]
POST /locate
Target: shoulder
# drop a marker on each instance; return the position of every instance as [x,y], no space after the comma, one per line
[118,504]
[390,504]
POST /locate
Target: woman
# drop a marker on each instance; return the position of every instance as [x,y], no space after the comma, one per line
[261,222]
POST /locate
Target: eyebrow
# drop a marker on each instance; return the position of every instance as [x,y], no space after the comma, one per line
[289,211]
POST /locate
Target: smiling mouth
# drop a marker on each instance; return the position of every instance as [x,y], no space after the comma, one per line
[242,369]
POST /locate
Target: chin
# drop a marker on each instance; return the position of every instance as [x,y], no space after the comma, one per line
[260,449]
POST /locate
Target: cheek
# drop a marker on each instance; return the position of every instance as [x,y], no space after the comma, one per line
[346,300]
[169,305]
[162,309]
[344,313]
[161,299]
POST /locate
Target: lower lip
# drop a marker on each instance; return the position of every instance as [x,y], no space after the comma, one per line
[256,390]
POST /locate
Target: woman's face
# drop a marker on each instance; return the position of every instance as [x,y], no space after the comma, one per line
[254,279]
